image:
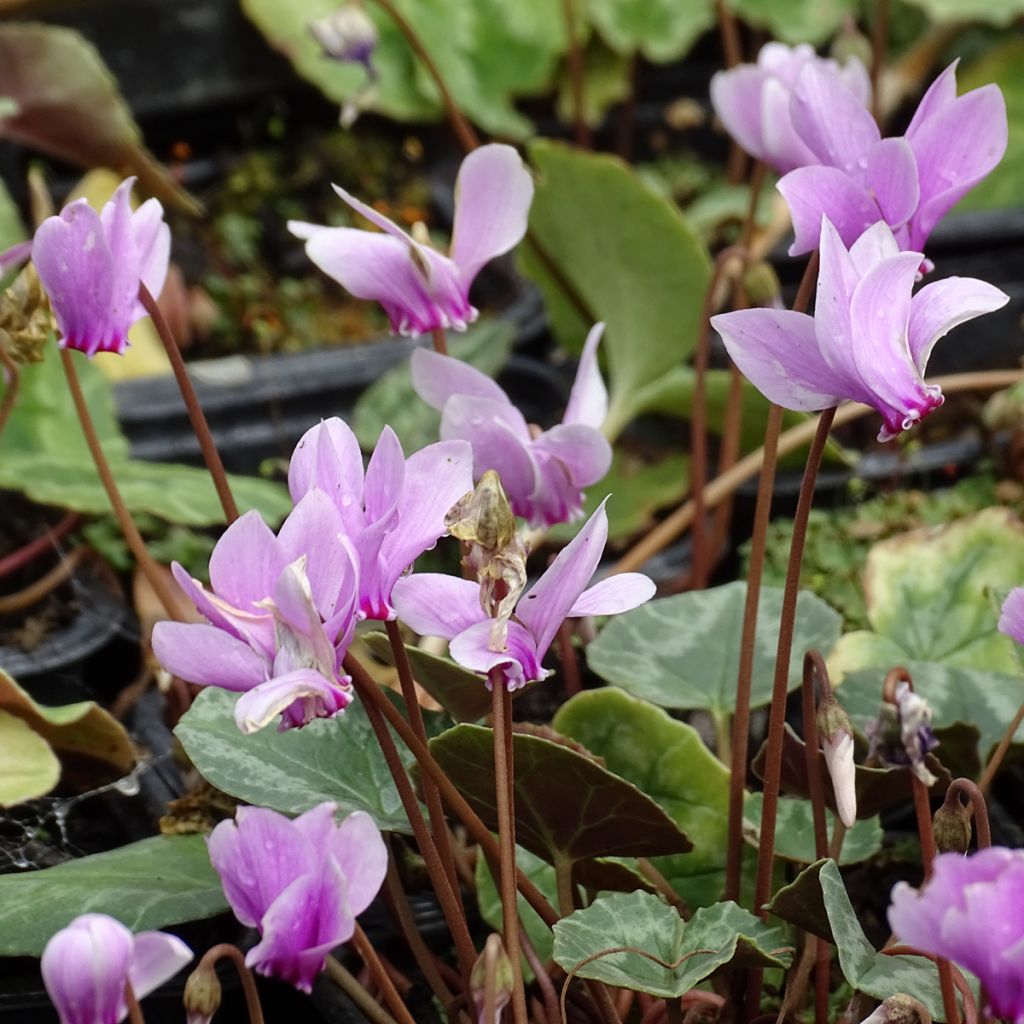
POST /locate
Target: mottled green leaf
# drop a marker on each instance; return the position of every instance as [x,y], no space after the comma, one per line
[797,21]
[661,650]
[662,30]
[680,954]
[149,884]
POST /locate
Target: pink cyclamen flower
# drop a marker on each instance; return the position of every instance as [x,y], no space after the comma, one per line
[911,182]
[301,882]
[87,965]
[869,339]
[971,911]
[445,606]
[394,511]
[281,614]
[752,101]
[1011,619]
[91,265]
[542,474]
[420,289]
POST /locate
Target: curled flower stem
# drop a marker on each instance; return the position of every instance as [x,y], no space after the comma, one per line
[364,947]
[10,604]
[371,695]
[501,710]
[130,531]
[777,712]
[350,985]
[462,128]
[958,980]
[580,128]
[229,951]
[438,824]
[34,548]
[195,411]
[11,385]
[450,906]
[440,340]
[974,794]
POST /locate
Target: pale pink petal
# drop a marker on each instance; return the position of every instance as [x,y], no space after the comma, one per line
[299,696]
[328,457]
[856,78]
[736,98]
[785,62]
[152,238]
[1011,620]
[555,499]
[892,175]
[437,378]
[939,95]
[940,306]
[588,400]
[583,451]
[116,218]
[317,824]
[16,254]
[783,148]
[519,663]
[433,604]
[246,562]
[493,192]
[385,477]
[156,958]
[776,350]
[876,244]
[207,656]
[375,217]
[839,760]
[620,593]
[815,192]
[362,855]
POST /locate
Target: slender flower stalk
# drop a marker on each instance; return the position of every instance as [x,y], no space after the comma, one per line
[206,967]
[577,75]
[364,947]
[211,456]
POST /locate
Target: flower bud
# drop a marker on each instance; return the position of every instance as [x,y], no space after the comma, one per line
[902,733]
[952,825]
[347,35]
[899,1009]
[836,736]
[202,995]
[25,318]
[491,972]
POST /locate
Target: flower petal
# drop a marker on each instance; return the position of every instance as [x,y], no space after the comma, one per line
[839,761]
[328,457]
[588,400]
[544,607]
[892,175]
[433,604]
[362,855]
[437,378]
[519,662]
[619,593]
[940,306]
[493,192]
[776,350]
[584,452]
[207,656]
[298,696]
[1011,619]
[783,148]
[152,239]
[736,98]
[874,245]
[814,192]
[246,562]
[157,958]
[385,477]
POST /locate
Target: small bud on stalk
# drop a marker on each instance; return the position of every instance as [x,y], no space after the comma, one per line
[202,995]
[836,735]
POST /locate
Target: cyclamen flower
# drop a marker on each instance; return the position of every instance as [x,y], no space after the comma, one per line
[1011,619]
[347,35]
[753,101]
[869,339]
[281,615]
[420,289]
[87,965]
[445,606]
[302,883]
[91,265]
[392,513]
[542,473]
[971,911]
[910,182]
[902,734]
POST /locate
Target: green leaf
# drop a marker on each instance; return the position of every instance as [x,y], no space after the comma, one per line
[64,102]
[334,759]
[1004,65]
[638,489]
[794,831]
[43,455]
[566,804]
[959,11]
[586,207]
[797,21]
[660,651]
[818,902]
[153,883]
[28,766]
[669,762]
[391,400]
[679,955]
[660,29]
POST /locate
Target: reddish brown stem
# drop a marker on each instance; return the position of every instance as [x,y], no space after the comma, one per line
[227,951]
[879,41]
[440,340]
[10,604]
[974,794]
[195,411]
[11,386]
[1000,752]
[571,682]
[580,128]
[134,1010]
[16,559]
[956,980]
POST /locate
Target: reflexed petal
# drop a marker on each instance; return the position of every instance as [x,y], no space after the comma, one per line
[500,439]
[939,95]
[437,378]
[876,244]
[1011,621]
[940,306]
[555,499]
[433,604]
[327,456]
[777,352]
[207,656]
[583,451]
[157,958]
[385,476]
[292,600]
[299,696]
[258,855]
[152,239]
[588,400]
[493,192]
[830,119]
[784,149]
[736,98]
[116,218]
[317,824]
[85,966]
[520,662]
[16,254]
[814,192]
[375,217]
[619,593]
[544,607]
[785,62]
[302,926]
[892,175]
[856,78]
[246,562]
[340,626]
[359,849]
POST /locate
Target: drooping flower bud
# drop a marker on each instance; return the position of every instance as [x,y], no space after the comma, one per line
[491,976]
[902,733]
[202,995]
[951,825]
[347,35]
[899,1009]
[836,737]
